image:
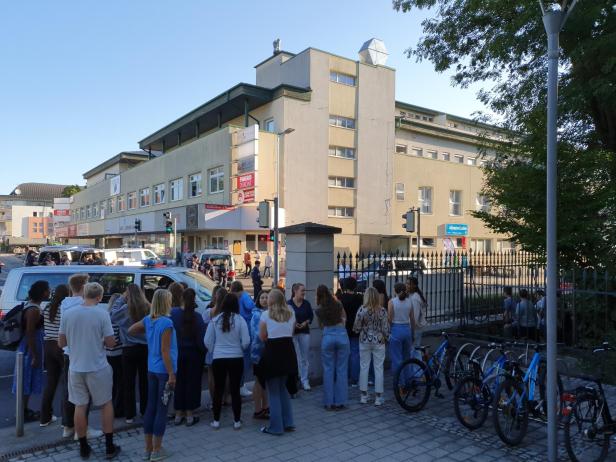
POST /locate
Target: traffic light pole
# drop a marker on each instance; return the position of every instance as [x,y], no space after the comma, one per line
[276,239]
[175,238]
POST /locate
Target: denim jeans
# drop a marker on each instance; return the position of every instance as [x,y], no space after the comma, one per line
[155,417]
[281,414]
[400,344]
[335,350]
[302,349]
[354,360]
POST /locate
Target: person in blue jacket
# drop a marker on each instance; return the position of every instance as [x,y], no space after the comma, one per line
[256,350]
[246,307]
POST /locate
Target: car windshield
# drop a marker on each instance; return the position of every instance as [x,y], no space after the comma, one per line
[217,259]
[202,285]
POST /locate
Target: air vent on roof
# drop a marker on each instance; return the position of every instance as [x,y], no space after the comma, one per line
[373,52]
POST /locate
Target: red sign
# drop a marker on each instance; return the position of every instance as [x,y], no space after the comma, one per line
[218,207]
[249,195]
[62,213]
[246,181]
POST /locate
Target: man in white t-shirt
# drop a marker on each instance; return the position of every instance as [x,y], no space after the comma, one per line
[87,330]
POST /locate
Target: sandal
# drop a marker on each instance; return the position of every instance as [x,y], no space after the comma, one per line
[190,421]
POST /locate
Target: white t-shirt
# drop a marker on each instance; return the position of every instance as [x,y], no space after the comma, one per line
[277,329]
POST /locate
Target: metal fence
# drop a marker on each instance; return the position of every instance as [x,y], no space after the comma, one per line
[466,289]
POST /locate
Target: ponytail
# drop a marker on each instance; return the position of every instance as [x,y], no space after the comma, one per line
[400,290]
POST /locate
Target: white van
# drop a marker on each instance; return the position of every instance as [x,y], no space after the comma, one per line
[74,254]
[130,256]
[114,279]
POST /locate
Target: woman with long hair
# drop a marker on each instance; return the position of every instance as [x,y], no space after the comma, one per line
[54,357]
[301,336]
[218,295]
[256,350]
[335,350]
[177,295]
[372,325]
[190,329]
[399,312]
[227,337]
[380,287]
[129,309]
[278,361]
[162,367]
[418,313]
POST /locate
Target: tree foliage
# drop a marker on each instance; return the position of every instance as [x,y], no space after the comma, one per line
[71,190]
[504,45]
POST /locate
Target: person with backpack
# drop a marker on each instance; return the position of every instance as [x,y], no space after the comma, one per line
[31,345]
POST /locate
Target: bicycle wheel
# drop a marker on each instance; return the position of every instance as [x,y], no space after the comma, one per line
[510,412]
[583,440]
[543,390]
[412,385]
[471,402]
[461,364]
[451,363]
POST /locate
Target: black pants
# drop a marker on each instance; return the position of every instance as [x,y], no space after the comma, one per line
[135,361]
[257,290]
[234,368]
[117,394]
[248,269]
[54,364]
[68,412]
[267,272]
[187,396]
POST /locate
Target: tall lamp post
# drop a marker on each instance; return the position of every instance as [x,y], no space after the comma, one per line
[554,18]
[279,137]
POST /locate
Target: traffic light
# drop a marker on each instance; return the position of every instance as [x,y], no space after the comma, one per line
[409,224]
[264,215]
[272,234]
[168,222]
[137,224]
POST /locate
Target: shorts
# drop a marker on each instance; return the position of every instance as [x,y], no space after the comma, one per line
[97,386]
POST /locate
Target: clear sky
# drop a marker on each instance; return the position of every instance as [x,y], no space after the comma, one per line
[81,80]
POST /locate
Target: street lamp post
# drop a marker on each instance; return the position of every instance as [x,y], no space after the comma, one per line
[279,136]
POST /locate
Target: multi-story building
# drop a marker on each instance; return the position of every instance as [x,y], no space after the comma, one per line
[350,155]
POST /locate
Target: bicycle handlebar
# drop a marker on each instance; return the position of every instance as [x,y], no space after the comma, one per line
[605,346]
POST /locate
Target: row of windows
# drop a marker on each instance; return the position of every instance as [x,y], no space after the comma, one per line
[432,154]
[424,200]
[40,227]
[158,194]
[339,151]
[339,121]
[344,79]
[341,182]
[476,245]
[341,212]
[413,115]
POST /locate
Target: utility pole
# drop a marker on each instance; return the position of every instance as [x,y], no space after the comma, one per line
[276,241]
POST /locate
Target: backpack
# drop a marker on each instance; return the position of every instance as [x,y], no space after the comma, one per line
[12,328]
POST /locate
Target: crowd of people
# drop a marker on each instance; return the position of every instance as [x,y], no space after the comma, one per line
[525,317]
[108,354]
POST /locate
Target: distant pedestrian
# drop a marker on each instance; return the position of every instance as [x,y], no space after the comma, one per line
[86,329]
[278,361]
[259,394]
[246,307]
[54,357]
[257,282]
[114,358]
[177,295]
[31,345]
[267,271]
[372,325]
[541,312]
[247,263]
[222,272]
[526,315]
[335,349]
[508,311]
[30,258]
[351,301]
[190,330]
[130,308]
[228,337]
[162,367]
[301,334]
[401,338]
[418,313]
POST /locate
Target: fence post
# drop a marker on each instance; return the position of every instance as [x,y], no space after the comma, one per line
[19,401]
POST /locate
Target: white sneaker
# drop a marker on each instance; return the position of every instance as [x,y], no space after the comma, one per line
[245,391]
[91,434]
[67,432]
[237,425]
[379,401]
[306,386]
[363,399]
[215,424]
[52,420]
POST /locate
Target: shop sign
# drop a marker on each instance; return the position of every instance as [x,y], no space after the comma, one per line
[246,196]
[246,181]
[456,229]
[62,213]
[218,207]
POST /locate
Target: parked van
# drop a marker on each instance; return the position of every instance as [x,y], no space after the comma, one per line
[114,279]
[130,256]
[219,256]
[73,254]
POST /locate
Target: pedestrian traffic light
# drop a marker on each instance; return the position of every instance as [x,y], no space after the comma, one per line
[264,215]
[137,224]
[409,224]
[272,235]
[168,222]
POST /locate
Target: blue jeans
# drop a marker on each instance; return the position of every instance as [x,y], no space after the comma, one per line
[335,350]
[400,344]
[354,360]
[281,414]
[155,417]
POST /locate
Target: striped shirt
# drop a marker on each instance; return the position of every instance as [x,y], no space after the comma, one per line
[51,327]
[117,349]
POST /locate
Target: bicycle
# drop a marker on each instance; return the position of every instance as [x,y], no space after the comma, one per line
[514,399]
[588,417]
[477,389]
[415,378]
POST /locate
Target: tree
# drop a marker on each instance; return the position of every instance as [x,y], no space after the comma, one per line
[71,190]
[504,44]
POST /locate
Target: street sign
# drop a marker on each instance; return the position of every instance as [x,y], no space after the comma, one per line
[456,229]
[218,207]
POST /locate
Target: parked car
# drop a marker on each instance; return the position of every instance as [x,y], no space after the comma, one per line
[390,270]
[74,254]
[131,257]
[114,279]
[218,256]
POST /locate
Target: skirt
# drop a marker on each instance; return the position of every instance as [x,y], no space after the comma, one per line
[33,376]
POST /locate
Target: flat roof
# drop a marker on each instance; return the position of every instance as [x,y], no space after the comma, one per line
[124,156]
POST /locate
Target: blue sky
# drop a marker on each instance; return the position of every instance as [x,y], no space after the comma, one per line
[83,80]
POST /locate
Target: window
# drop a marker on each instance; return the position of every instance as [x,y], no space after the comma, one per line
[340,212]
[112,205]
[94,210]
[159,193]
[399,191]
[505,246]
[88,212]
[216,180]
[344,79]
[194,185]
[458,159]
[35,214]
[401,148]
[445,156]
[432,155]
[82,214]
[177,189]
[121,203]
[339,121]
[35,227]
[425,242]
[144,197]
[341,182]
[251,242]
[455,203]
[471,161]
[418,152]
[102,207]
[218,242]
[424,199]
[482,204]
[481,245]
[132,200]
[269,125]
[339,151]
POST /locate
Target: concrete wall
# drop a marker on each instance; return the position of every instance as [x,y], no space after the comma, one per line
[20,218]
